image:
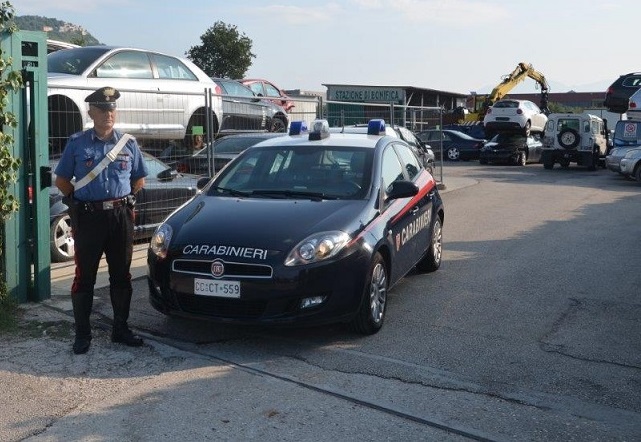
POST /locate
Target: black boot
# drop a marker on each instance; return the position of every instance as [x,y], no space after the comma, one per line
[121,301]
[82,304]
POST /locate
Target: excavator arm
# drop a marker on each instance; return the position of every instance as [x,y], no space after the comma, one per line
[520,73]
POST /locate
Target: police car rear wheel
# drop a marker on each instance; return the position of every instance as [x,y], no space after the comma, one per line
[432,260]
[62,244]
[371,313]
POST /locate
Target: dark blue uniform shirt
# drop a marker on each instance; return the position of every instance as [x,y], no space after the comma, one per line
[85,150]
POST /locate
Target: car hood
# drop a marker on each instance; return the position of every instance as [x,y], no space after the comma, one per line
[270,224]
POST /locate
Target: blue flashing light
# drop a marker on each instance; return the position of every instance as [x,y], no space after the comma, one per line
[376,127]
[297,127]
[319,130]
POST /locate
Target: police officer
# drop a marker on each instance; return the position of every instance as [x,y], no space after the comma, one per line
[109,169]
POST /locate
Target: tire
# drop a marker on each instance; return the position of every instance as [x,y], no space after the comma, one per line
[371,313]
[482,161]
[548,163]
[521,159]
[62,244]
[569,138]
[453,153]
[278,125]
[637,172]
[527,128]
[432,260]
[564,163]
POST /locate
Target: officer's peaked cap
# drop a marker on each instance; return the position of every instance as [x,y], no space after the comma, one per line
[103,98]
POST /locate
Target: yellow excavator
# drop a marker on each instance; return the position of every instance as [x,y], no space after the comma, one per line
[479,104]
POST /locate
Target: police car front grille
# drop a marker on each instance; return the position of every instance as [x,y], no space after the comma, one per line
[232,269]
[228,308]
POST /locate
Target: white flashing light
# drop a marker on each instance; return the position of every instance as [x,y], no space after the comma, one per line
[376,127]
[319,130]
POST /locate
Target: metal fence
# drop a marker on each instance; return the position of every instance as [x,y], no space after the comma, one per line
[171,128]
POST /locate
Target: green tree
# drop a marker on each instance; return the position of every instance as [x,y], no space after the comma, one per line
[224,52]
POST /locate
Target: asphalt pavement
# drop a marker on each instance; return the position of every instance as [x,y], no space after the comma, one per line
[166,390]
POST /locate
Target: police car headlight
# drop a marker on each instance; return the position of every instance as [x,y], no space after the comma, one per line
[160,241]
[317,247]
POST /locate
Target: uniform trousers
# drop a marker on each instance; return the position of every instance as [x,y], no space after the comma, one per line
[96,232]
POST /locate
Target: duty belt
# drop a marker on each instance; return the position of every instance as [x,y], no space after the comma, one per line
[102,205]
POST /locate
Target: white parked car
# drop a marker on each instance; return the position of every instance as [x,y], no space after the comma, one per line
[522,116]
[631,164]
[634,106]
[162,96]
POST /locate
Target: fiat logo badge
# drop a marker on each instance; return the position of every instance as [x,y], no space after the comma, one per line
[217,268]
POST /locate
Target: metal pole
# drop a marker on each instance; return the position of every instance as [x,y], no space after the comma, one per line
[208,130]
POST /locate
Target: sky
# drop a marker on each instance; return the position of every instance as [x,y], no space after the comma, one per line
[457,46]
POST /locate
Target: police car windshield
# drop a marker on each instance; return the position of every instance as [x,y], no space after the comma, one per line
[326,172]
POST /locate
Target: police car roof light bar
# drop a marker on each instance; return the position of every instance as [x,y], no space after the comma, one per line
[319,130]
[297,127]
[376,127]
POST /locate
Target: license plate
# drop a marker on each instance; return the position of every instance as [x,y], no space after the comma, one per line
[219,289]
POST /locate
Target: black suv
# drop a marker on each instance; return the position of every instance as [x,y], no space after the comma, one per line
[618,94]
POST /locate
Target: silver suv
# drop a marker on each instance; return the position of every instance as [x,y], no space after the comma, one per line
[574,138]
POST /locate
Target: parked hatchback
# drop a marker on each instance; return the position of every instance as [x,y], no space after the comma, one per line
[267,89]
[454,144]
[511,148]
[161,96]
[244,111]
[619,92]
[521,116]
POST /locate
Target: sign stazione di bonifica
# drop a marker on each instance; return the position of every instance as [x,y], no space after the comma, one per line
[366,94]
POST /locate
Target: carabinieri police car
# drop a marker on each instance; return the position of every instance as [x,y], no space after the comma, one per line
[309,228]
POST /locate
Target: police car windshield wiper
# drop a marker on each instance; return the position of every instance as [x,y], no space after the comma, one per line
[232,192]
[316,196]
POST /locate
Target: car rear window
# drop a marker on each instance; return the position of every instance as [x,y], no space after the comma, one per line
[632,81]
[506,104]
[73,61]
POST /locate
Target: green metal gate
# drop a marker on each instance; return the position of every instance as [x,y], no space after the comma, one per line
[26,254]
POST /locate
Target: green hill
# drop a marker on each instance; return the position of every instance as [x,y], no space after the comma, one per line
[56,29]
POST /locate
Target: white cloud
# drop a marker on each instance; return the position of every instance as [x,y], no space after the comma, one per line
[300,15]
[460,12]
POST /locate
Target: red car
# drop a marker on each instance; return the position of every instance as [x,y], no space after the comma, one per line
[264,88]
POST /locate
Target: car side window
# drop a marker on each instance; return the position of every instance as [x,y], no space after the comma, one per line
[171,68]
[126,64]
[410,163]
[271,91]
[391,168]
[257,88]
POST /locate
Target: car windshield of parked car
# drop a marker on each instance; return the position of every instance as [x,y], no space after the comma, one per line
[73,61]
[298,172]
[235,89]
[154,165]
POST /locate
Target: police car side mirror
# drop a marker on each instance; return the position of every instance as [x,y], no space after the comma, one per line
[402,189]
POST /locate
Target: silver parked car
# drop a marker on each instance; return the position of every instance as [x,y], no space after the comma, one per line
[162,96]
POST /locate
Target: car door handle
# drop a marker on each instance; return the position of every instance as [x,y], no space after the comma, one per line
[414,210]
